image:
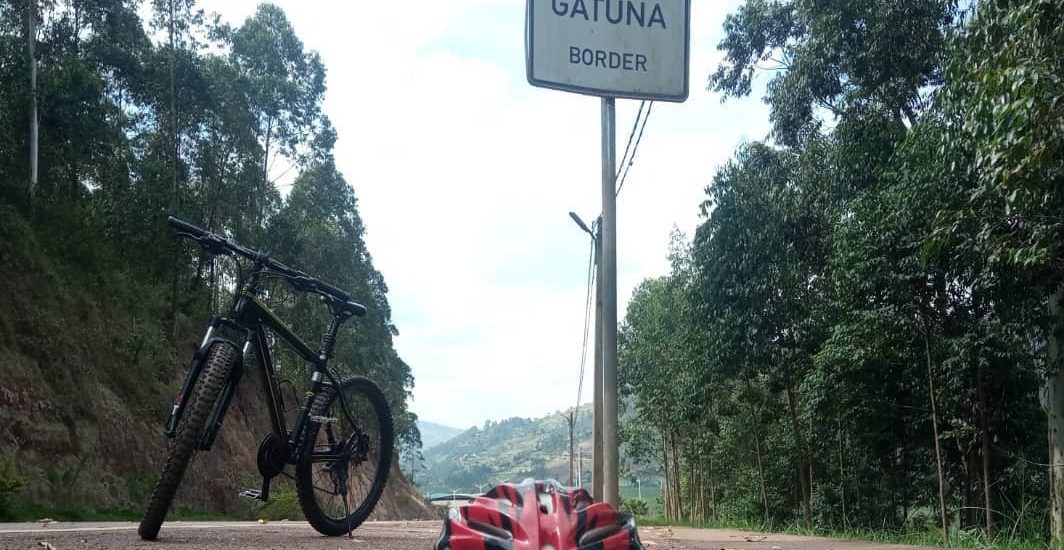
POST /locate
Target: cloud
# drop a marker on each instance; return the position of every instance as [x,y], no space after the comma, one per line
[465,175]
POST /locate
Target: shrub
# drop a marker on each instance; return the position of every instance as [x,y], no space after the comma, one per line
[10,484]
[634,506]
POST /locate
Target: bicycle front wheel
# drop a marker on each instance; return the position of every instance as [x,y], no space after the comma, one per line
[220,360]
[343,467]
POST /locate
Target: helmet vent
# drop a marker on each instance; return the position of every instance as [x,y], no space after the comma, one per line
[546,504]
[597,534]
[490,530]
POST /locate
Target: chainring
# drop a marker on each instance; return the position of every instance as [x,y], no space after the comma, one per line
[272,455]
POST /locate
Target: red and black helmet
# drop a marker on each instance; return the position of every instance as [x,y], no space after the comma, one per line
[537,515]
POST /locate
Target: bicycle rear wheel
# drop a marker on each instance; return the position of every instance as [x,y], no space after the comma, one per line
[343,467]
[220,360]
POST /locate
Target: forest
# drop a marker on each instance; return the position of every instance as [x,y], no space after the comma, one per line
[863,332]
[115,114]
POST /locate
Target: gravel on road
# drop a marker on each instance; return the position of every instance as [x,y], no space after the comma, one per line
[383,535]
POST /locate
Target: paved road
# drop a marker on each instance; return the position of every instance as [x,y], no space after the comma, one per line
[385,535]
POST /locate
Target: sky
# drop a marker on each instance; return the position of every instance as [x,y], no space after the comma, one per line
[465,176]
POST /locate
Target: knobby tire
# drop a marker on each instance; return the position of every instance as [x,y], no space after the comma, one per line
[216,370]
[318,518]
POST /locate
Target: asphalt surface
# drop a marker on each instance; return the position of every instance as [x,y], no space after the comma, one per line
[384,535]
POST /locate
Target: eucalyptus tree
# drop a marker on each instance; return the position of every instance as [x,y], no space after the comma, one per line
[830,57]
[1003,107]
[284,84]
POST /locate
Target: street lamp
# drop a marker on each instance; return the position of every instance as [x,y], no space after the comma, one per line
[597,477]
[580,222]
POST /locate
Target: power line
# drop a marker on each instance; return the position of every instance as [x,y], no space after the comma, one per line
[623,174]
[631,147]
[587,323]
[631,135]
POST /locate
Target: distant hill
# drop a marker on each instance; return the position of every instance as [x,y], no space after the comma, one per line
[433,434]
[510,450]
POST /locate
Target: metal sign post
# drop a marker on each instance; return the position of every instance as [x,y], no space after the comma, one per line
[638,49]
[610,489]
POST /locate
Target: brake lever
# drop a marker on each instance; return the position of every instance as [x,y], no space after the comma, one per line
[301,283]
[208,244]
[214,246]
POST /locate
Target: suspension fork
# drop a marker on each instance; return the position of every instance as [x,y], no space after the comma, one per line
[214,425]
[193,374]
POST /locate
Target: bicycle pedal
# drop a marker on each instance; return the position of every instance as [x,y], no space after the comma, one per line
[253,494]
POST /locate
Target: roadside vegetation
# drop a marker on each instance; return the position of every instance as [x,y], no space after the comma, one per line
[109,123]
[862,336]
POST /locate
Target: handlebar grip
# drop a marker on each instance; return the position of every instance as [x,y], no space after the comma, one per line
[358,309]
[185,227]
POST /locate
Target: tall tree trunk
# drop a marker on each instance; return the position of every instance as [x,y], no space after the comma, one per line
[712,489]
[703,505]
[692,496]
[31,49]
[842,477]
[173,112]
[174,200]
[1055,395]
[666,494]
[804,469]
[761,472]
[904,487]
[970,516]
[261,200]
[984,429]
[692,482]
[934,428]
[266,152]
[676,479]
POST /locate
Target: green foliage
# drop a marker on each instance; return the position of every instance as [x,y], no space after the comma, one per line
[10,484]
[860,318]
[64,490]
[175,115]
[833,57]
[283,504]
[635,506]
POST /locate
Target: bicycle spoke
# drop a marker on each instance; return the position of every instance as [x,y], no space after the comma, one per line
[359,445]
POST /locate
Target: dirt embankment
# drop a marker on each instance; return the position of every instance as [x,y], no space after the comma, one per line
[88,373]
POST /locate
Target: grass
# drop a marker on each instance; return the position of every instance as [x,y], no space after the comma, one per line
[958,539]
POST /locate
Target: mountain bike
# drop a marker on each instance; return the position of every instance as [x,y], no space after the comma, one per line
[341,442]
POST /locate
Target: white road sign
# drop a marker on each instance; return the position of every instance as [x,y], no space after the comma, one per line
[636,49]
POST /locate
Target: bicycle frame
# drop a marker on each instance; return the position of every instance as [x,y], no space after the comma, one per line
[250,316]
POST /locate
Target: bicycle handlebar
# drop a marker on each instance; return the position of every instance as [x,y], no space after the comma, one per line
[219,244]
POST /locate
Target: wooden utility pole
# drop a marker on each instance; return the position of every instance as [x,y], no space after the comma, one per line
[596,429]
[579,467]
[572,464]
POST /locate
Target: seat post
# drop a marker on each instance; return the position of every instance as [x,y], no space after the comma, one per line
[328,340]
